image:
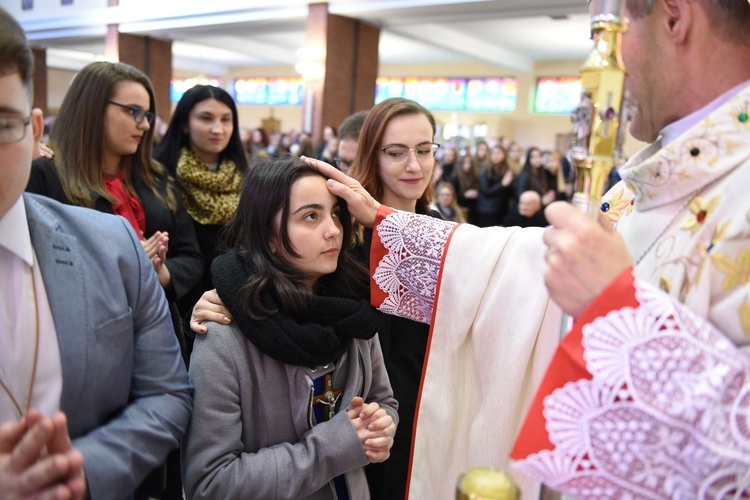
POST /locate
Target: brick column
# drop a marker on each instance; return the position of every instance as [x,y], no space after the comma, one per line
[154,57]
[40,78]
[351,67]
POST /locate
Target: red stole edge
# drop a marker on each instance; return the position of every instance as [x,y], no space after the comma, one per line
[377,253]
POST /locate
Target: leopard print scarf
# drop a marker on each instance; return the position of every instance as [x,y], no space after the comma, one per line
[210,197]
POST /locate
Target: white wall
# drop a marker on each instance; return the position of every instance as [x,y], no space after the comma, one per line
[527,128]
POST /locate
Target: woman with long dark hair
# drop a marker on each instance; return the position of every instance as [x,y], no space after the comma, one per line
[395,161]
[297,383]
[203,151]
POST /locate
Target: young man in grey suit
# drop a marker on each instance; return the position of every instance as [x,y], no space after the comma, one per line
[93,391]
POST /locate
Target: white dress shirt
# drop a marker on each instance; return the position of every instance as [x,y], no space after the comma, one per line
[18,327]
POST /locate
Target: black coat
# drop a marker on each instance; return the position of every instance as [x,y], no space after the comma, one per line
[184,258]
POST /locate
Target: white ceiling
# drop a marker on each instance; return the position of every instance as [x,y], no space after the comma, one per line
[212,37]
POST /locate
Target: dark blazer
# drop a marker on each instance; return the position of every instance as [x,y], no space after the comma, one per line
[184,259]
[125,388]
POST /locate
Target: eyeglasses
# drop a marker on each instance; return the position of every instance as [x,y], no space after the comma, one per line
[397,154]
[138,114]
[342,164]
[13,128]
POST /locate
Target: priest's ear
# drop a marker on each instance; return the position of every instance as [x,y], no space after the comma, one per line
[677,17]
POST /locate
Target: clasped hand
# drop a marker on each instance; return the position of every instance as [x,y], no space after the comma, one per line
[374,427]
[156,248]
[37,459]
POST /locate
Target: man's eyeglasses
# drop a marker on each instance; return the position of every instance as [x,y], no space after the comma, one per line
[342,164]
[424,153]
[13,128]
[138,114]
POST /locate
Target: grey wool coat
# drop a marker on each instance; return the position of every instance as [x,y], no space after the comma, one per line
[251,435]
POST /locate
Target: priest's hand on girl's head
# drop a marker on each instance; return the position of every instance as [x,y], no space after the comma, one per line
[209,308]
[362,206]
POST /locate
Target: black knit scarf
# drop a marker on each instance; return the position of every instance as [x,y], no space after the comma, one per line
[320,337]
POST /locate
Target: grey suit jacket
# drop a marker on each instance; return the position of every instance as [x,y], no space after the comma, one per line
[125,388]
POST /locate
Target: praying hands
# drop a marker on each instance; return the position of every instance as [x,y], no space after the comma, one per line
[156,248]
[374,427]
[37,459]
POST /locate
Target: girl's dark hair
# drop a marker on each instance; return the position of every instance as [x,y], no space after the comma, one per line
[266,191]
[177,136]
[78,140]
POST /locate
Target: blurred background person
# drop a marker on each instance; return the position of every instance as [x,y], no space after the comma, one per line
[330,151]
[259,142]
[515,152]
[448,164]
[327,145]
[348,140]
[304,148]
[495,189]
[465,180]
[482,153]
[160,128]
[557,188]
[446,204]
[528,212]
[533,176]
[247,142]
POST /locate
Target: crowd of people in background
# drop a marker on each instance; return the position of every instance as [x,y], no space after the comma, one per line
[488,176]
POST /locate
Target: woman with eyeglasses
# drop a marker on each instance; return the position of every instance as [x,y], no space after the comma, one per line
[102,141]
[395,162]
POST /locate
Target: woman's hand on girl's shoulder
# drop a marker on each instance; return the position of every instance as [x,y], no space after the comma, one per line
[209,308]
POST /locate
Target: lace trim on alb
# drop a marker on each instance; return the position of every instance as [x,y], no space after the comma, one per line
[665,414]
[409,271]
